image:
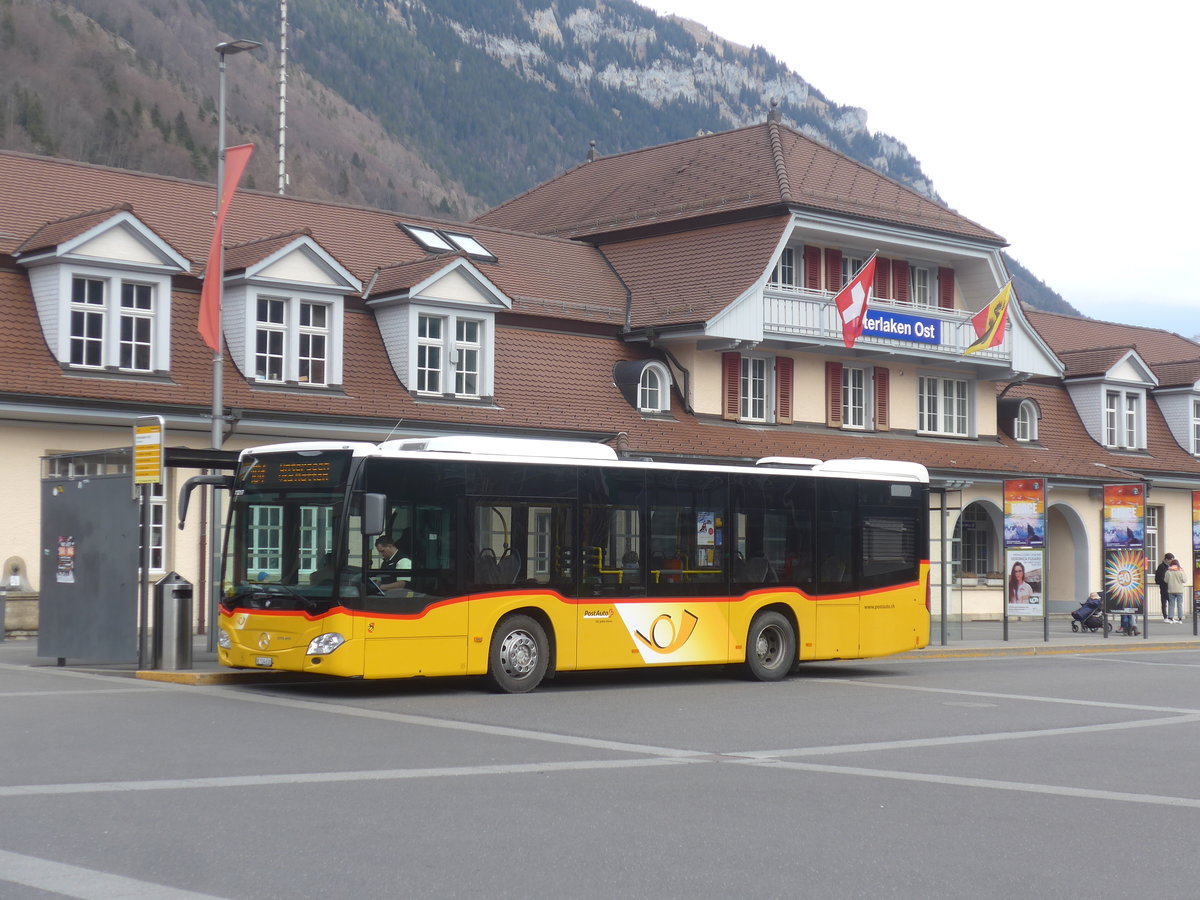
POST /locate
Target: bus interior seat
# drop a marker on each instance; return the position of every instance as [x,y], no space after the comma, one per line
[508,568]
[487,570]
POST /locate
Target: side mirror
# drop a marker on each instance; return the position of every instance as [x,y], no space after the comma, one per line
[374,513]
[218,481]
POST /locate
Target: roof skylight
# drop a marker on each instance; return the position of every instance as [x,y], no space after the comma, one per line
[446,241]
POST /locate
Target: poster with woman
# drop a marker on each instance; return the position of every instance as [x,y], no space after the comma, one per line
[1023,591]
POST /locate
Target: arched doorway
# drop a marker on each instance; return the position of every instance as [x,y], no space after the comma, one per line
[1068,563]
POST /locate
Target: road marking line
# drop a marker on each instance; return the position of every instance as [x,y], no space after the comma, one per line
[986,783]
[524,734]
[84,884]
[243,781]
[953,740]
[1030,698]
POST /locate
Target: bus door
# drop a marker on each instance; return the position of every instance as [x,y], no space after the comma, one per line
[414,616]
[838,602]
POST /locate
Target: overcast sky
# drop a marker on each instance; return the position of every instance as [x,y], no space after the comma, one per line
[1070,129]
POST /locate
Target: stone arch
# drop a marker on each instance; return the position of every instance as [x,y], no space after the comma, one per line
[1069,558]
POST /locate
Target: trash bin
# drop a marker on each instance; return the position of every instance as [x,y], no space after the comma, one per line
[172,622]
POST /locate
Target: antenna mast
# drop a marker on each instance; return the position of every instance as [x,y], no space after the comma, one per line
[283,30]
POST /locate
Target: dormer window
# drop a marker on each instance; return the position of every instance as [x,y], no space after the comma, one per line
[1025,426]
[112,324]
[654,389]
[102,284]
[1124,420]
[1196,427]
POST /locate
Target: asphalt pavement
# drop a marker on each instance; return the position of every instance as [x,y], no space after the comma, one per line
[961,639]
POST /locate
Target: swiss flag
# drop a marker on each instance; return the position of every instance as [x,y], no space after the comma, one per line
[851,302]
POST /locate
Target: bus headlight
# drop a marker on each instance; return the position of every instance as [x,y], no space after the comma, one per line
[223,639]
[326,643]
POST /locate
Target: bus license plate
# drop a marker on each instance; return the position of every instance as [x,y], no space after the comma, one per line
[263,661]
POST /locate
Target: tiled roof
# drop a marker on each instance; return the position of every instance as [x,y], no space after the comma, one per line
[37,191]
[54,233]
[690,276]
[243,256]
[1065,334]
[1178,374]
[759,167]
[1080,363]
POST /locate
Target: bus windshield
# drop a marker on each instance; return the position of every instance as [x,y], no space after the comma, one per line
[287,528]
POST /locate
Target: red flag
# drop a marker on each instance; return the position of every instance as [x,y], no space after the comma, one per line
[210,302]
[851,302]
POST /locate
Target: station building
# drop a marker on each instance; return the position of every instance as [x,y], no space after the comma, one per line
[676,302]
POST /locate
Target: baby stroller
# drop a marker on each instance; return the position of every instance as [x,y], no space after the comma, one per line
[1089,617]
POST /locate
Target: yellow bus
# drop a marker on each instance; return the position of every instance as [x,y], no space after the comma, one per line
[515,559]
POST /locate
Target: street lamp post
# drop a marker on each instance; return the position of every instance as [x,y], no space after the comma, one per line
[216,269]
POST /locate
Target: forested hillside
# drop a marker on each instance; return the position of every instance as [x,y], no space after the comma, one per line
[441,106]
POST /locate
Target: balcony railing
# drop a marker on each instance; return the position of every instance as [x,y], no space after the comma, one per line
[800,313]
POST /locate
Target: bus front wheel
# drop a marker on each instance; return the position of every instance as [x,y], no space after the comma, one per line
[518,656]
[770,646]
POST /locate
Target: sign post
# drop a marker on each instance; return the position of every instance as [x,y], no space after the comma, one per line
[147,471]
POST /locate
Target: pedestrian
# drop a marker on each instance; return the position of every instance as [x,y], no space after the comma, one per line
[1176,583]
[1160,578]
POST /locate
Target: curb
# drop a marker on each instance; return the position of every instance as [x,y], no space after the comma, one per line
[1050,649]
[229,677]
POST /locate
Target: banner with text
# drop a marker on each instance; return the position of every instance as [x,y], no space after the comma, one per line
[1025,512]
[1124,547]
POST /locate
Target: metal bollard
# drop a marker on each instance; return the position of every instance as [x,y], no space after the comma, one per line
[172,623]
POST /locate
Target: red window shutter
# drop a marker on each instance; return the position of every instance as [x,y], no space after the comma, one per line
[883,277]
[731,388]
[784,370]
[833,394]
[900,280]
[945,288]
[812,268]
[833,269]
[883,399]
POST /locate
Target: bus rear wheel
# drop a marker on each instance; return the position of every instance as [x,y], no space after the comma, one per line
[770,647]
[518,655]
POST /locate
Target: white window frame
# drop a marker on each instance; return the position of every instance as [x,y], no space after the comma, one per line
[1124,419]
[1196,426]
[855,398]
[851,263]
[754,388]
[784,274]
[456,357]
[934,394]
[1025,425]
[288,334]
[466,356]
[656,397]
[109,316]
[921,286]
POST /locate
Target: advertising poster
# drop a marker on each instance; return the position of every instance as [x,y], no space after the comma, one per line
[65,568]
[1025,513]
[1023,593]
[1124,507]
[1124,580]
[1195,546]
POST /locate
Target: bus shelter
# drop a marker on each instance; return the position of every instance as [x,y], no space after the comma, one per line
[91,551]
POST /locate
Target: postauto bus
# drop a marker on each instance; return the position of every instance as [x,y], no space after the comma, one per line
[516,558]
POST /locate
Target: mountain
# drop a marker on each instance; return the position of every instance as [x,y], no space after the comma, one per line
[442,107]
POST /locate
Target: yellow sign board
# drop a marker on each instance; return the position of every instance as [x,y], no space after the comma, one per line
[148,450]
